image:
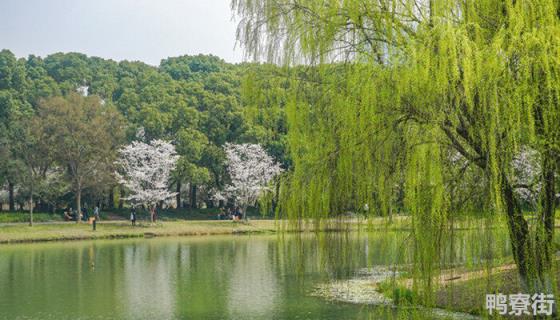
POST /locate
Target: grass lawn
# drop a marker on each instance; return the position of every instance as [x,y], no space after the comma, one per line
[120,229]
[462,290]
[16,217]
[109,229]
[124,214]
[469,296]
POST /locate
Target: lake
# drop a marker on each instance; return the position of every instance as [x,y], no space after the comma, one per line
[215,277]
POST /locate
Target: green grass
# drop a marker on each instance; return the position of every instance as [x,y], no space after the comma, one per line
[181,214]
[15,217]
[113,229]
[108,229]
[124,214]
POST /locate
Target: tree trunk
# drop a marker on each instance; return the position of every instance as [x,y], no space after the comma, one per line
[178,196]
[78,205]
[152,213]
[121,194]
[11,202]
[533,257]
[519,234]
[31,207]
[111,198]
[545,226]
[193,196]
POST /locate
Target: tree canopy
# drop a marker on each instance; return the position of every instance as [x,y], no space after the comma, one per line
[193,101]
[402,102]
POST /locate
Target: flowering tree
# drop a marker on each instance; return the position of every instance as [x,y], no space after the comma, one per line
[526,173]
[251,169]
[145,169]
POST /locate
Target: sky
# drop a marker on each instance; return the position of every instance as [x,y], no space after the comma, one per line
[144,30]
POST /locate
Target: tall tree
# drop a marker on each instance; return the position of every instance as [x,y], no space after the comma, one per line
[85,135]
[33,154]
[190,146]
[145,170]
[475,78]
[251,170]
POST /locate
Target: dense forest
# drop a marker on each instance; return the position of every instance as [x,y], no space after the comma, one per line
[199,103]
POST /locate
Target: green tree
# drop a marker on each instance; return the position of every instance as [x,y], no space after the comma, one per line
[32,153]
[85,135]
[13,89]
[190,146]
[477,79]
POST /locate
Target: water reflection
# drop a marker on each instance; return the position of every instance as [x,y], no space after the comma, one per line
[149,281]
[253,288]
[236,277]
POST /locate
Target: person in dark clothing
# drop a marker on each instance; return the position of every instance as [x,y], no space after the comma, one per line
[133,216]
[84,214]
[237,214]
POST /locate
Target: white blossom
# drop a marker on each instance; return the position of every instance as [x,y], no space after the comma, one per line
[216,196]
[83,90]
[251,169]
[3,195]
[145,170]
[526,172]
[140,134]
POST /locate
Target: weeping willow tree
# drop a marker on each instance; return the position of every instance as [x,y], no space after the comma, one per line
[389,95]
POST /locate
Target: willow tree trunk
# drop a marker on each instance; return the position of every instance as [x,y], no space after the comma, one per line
[533,255]
[519,234]
[545,229]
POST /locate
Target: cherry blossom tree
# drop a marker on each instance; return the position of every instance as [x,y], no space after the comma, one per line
[251,169]
[145,170]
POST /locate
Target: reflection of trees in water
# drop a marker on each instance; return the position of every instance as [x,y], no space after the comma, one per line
[149,289]
[203,278]
[253,288]
[199,278]
[338,255]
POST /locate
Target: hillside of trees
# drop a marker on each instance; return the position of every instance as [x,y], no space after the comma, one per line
[199,103]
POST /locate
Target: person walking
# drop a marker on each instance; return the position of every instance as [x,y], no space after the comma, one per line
[96,212]
[133,216]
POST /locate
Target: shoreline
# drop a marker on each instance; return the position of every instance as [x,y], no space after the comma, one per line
[114,230]
[12,233]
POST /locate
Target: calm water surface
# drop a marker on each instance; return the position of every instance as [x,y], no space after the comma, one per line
[218,277]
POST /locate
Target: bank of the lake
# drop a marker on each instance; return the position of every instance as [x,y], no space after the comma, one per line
[62,231]
[121,229]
